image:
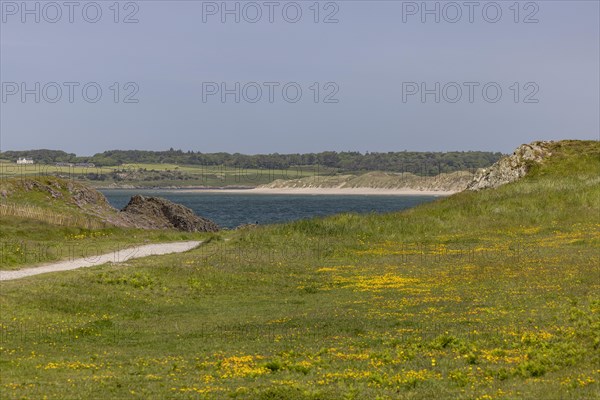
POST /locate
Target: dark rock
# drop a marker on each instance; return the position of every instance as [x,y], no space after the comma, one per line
[158,213]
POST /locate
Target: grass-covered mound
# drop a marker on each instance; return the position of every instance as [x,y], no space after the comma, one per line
[482,295]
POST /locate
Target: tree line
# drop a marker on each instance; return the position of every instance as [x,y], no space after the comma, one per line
[422,163]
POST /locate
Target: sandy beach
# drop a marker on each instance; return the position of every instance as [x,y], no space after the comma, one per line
[326,191]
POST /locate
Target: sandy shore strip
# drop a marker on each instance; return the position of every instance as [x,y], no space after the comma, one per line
[115,257]
[326,191]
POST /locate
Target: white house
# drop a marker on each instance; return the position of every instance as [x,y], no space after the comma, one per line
[24,161]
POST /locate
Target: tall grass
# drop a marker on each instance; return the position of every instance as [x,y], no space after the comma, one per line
[51,217]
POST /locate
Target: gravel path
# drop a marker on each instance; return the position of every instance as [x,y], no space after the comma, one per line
[116,256]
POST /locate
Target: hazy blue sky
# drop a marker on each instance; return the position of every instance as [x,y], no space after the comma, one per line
[370,56]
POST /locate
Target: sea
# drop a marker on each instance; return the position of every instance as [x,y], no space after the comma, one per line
[230,210]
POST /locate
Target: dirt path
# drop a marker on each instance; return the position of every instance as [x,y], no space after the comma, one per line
[116,256]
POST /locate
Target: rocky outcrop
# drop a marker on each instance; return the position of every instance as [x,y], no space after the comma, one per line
[158,213]
[52,187]
[84,196]
[511,168]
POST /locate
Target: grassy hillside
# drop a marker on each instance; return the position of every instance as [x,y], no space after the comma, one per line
[482,295]
[47,219]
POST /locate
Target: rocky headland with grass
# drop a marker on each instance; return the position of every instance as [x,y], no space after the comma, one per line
[70,202]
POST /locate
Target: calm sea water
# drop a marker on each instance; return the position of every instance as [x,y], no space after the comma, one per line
[230,210]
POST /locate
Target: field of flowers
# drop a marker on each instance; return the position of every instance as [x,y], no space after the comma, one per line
[491,295]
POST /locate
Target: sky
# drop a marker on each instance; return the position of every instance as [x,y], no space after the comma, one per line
[297,77]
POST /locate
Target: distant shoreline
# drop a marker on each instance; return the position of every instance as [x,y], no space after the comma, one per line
[336,191]
[304,191]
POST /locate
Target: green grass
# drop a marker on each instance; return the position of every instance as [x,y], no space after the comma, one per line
[164,175]
[49,226]
[28,242]
[480,295]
